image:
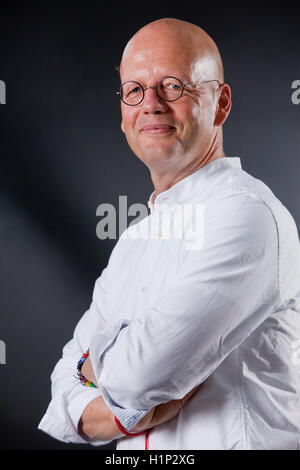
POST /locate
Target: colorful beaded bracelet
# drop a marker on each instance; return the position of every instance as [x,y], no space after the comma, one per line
[81,377]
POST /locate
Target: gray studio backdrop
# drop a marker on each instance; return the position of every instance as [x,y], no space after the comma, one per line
[63,154]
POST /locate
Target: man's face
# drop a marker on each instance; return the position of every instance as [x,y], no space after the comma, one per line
[190,119]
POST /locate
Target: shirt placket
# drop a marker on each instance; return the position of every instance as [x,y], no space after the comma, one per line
[153,253]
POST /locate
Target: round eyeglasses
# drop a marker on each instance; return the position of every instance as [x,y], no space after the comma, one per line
[167,88]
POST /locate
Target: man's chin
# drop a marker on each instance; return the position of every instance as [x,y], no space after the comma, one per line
[151,152]
[156,156]
[157,148]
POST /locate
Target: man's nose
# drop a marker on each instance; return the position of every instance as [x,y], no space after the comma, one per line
[152,103]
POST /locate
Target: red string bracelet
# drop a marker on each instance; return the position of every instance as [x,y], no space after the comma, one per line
[147,432]
[124,430]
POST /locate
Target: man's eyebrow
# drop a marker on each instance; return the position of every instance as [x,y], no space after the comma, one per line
[182,77]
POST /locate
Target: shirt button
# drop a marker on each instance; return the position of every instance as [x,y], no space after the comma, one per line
[159,234]
[144,288]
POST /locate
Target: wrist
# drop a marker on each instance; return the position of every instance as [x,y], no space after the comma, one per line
[124,431]
[145,423]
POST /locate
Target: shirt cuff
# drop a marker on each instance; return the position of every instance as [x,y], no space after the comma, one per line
[100,344]
[127,416]
[66,430]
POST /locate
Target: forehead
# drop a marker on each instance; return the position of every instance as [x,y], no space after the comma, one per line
[152,61]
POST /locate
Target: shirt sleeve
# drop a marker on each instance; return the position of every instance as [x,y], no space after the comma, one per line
[224,292]
[69,396]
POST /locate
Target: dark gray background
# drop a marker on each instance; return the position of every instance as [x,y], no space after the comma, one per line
[63,154]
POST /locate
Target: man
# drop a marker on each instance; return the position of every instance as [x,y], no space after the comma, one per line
[190,339]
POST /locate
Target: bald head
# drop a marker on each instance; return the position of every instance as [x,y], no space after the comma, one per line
[177,36]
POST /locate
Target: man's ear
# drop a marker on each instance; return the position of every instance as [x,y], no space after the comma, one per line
[122,126]
[224,106]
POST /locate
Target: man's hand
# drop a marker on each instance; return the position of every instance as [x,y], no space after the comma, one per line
[162,413]
[97,420]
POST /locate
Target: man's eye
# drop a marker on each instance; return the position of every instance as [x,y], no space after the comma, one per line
[134,91]
[171,86]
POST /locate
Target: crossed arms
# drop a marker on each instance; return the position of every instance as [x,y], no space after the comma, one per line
[223,293]
[97,421]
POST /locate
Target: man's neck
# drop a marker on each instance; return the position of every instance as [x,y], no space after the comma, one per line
[165,180]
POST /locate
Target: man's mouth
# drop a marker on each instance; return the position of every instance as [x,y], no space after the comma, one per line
[154,129]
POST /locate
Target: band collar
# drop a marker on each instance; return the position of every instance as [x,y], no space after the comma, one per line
[182,190]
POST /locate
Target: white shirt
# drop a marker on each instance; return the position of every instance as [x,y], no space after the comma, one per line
[222,309]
